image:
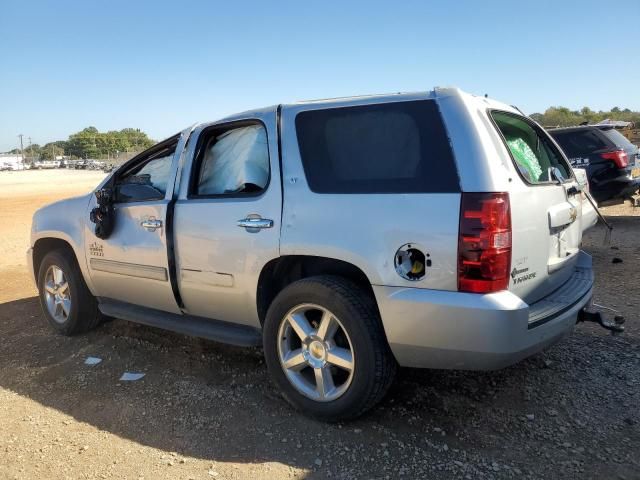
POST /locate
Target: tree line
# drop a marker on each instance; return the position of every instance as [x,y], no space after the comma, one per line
[90,143]
[564,117]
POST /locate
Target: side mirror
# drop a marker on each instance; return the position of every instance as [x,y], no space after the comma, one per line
[137,192]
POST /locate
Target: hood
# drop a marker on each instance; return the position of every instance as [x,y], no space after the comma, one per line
[65,217]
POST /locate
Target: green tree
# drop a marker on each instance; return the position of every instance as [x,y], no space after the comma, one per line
[563,117]
[90,143]
[51,150]
[32,152]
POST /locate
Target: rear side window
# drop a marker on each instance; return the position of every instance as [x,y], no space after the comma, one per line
[579,142]
[530,148]
[385,148]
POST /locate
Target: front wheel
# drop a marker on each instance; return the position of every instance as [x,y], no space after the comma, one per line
[66,301]
[326,349]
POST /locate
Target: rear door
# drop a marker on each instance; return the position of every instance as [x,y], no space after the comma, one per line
[227,217]
[545,209]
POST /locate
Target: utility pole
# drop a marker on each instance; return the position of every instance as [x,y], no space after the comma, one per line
[30,149]
[21,147]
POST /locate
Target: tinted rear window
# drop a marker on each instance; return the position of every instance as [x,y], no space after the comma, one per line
[617,138]
[385,148]
[580,142]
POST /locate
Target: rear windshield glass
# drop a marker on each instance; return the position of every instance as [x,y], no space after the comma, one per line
[386,148]
[530,148]
[579,142]
[617,138]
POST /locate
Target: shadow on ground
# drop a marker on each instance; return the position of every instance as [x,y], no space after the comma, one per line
[215,402]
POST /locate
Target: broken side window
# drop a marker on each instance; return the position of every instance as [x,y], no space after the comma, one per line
[234,161]
[533,153]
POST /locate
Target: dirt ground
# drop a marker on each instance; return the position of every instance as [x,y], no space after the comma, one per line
[206,410]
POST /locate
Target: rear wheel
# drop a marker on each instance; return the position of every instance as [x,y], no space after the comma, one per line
[66,301]
[325,348]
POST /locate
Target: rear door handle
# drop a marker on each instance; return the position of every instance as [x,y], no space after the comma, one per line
[151,225]
[255,223]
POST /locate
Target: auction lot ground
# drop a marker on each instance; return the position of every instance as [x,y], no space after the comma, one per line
[205,410]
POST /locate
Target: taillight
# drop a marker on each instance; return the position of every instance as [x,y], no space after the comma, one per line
[484,242]
[619,157]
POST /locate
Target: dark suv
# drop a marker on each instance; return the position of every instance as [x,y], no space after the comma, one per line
[612,162]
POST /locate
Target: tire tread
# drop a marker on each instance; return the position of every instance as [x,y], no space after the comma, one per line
[365,306]
[87,316]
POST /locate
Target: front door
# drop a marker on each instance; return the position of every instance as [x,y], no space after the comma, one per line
[227,218]
[132,264]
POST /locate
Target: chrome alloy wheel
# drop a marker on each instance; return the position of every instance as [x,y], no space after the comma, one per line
[57,294]
[315,352]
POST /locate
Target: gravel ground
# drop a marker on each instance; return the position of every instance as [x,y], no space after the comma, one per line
[206,410]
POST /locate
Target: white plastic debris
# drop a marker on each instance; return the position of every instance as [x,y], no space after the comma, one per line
[92,361]
[131,377]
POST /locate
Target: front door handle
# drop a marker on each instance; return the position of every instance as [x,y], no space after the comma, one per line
[151,224]
[255,223]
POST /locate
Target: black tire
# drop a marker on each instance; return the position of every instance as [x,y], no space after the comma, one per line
[375,366]
[83,314]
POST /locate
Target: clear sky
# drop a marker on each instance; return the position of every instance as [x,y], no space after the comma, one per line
[161,66]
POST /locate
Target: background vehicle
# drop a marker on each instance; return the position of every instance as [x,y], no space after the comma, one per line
[611,161]
[589,213]
[346,236]
[96,165]
[40,164]
[81,164]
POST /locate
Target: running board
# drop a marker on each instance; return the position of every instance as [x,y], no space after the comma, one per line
[217,330]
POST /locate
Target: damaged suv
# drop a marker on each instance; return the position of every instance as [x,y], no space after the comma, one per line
[345,236]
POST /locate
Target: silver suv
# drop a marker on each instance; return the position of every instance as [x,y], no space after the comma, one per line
[345,236]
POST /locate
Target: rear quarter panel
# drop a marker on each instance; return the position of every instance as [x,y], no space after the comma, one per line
[366,230]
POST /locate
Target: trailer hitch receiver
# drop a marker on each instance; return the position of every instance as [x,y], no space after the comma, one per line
[615,327]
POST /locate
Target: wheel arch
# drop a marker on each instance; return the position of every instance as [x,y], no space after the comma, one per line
[284,270]
[44,245]
[49,241]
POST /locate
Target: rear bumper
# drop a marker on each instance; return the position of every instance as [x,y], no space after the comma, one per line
[453,330]
[621,187]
